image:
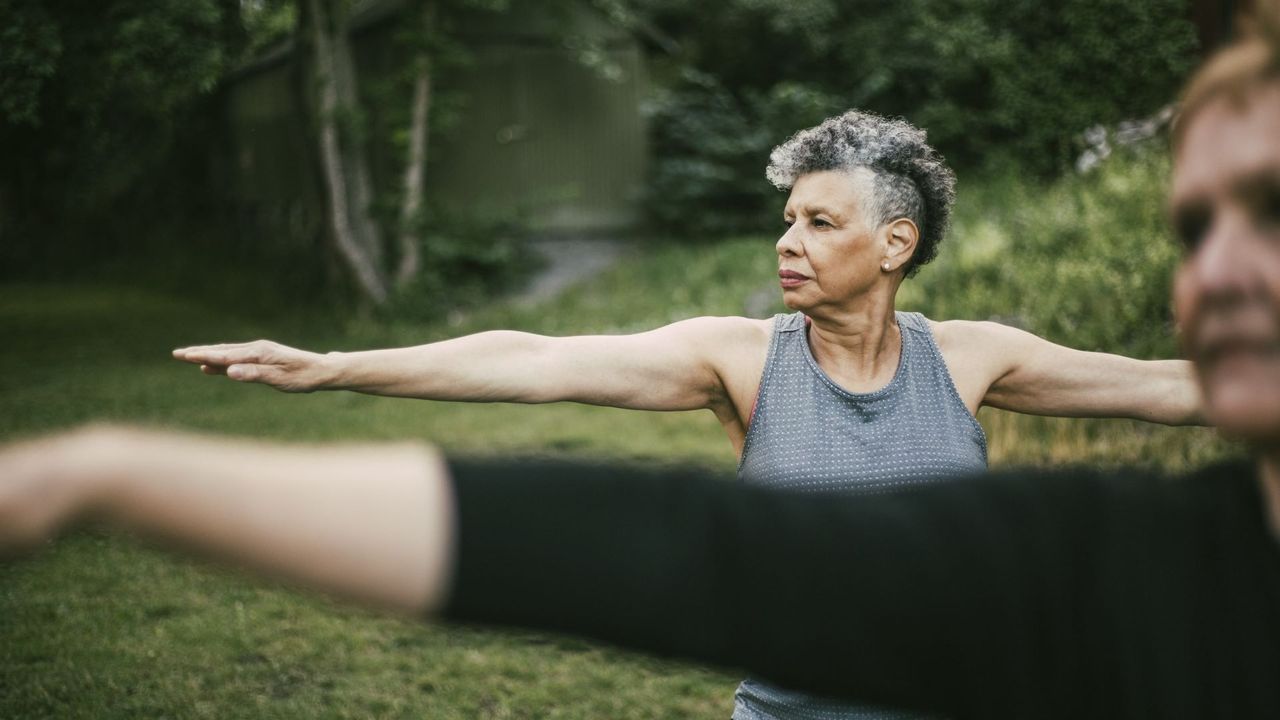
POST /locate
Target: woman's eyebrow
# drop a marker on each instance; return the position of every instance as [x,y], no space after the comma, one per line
[812,210]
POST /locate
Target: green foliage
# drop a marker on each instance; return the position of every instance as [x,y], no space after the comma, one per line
[157,57]
[124,68]
[467,257]
[710,149]
[1086,261]
[29,51]
[986,78]
[120,164]
[98,95]
[267,22]
[1025,78]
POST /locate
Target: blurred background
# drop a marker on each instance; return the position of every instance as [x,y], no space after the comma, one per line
[342,174]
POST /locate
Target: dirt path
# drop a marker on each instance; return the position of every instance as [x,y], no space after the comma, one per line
[569,262]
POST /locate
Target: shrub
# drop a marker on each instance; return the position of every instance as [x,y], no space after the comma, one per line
[710,150]
[467,257]
[990,80]
[1086,261]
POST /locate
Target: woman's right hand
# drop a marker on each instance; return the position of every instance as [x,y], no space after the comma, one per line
[282,367]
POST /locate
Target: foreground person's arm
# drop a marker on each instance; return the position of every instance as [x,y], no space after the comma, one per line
[960,597]
[370,523]
[967,598]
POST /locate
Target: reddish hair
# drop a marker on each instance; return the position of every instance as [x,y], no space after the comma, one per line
[1234,72]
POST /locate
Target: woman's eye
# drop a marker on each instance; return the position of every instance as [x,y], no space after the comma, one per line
[1191,231]
[788,222]
[1270,211]
[1263,201]
[819,222]
[1191,226]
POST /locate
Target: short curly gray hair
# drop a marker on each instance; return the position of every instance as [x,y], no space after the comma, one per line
[911,180]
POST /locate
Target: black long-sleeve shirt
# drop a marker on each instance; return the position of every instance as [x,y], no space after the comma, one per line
[1026,594]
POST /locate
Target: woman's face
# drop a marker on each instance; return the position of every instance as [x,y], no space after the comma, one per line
[1226,207]
[830,253]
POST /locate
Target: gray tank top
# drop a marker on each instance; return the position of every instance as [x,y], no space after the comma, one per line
[807,433]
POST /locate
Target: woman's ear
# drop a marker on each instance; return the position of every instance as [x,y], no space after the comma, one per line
[900,243]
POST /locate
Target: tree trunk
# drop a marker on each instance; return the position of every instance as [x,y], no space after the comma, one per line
[357,160]
[416,164]
[345,172]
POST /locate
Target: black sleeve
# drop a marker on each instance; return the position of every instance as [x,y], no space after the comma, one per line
[970,597]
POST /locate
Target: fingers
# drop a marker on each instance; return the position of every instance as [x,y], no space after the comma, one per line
[245,372]
[258,351]
[216,356]
[264,374]
[261,361]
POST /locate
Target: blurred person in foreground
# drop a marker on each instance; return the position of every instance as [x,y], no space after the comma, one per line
[1024,594]
[844,394]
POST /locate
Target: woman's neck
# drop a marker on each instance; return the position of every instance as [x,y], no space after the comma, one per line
[859,348]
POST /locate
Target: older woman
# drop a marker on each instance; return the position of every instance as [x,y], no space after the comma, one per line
[843,394]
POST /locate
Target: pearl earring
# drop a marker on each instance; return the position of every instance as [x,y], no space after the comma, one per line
[885,266]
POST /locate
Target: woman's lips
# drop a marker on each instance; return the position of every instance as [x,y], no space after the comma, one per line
[791,278]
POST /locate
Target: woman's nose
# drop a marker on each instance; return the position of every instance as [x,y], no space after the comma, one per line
[1226,263]
[789,243]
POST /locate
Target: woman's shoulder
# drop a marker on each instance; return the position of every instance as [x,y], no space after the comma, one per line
[731,330]
[979,335]
[736,347]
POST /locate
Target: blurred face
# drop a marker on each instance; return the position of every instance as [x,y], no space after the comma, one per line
[1226,208]
[829,253]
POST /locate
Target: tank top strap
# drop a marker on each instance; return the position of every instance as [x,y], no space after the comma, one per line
[789,334]
[789,322]
[917,340]
[782,342]
[913,321]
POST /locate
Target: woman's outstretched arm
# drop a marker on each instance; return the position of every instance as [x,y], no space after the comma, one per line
[1025,373]
[370,523]
[677,367]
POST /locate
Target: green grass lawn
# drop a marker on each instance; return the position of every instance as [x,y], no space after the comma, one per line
[100,626]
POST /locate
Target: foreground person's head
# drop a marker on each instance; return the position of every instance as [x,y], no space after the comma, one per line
[1225,205]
